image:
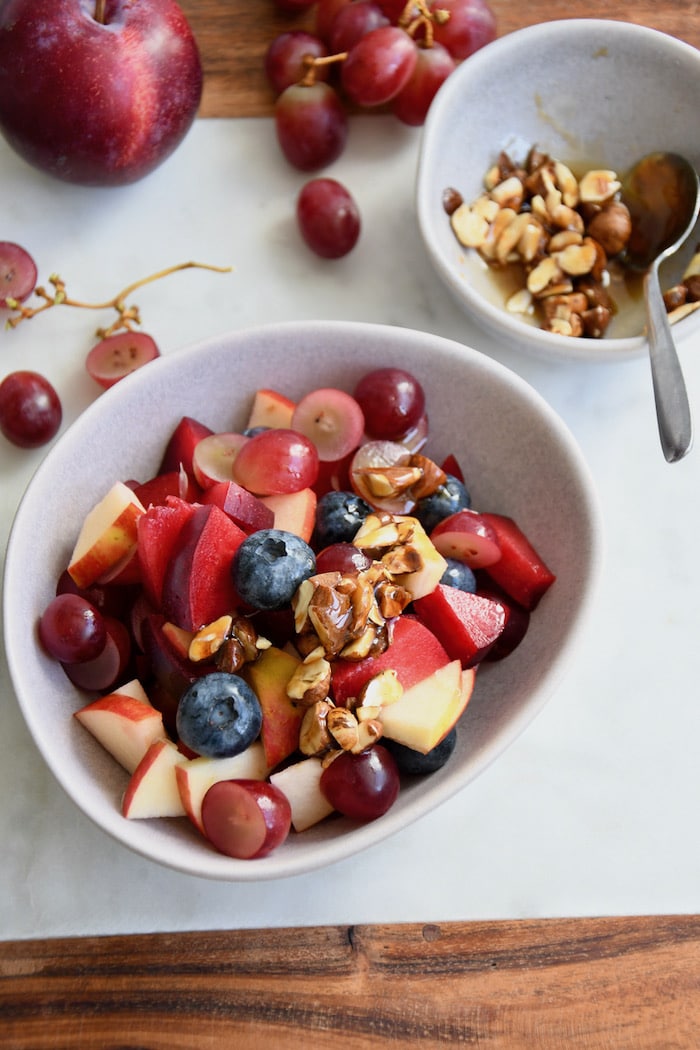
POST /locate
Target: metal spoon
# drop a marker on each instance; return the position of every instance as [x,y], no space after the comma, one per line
[662,192]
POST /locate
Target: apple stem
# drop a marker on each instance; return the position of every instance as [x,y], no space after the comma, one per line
[128,316]
[99,15]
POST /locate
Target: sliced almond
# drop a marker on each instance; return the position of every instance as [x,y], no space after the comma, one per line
[598,185]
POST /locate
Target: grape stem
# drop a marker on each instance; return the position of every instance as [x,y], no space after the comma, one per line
[417,17]
[312,62]
[128,316]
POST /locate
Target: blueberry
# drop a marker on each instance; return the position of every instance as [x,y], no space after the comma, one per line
[250,432]
[219,715]
[459,575]
[414,763]
[338,517]
[448,499]
[268,567]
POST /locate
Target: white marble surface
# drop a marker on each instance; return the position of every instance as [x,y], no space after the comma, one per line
[593,810]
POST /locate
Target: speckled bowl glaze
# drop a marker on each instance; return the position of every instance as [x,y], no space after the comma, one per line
[592,93]
[518,457]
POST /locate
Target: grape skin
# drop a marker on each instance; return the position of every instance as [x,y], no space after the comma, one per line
[17,273]
[311,125]
[30,409]
[328,218]
[284,58]
[378,66]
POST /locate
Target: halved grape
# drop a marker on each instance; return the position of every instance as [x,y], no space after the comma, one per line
[342,557]
[118,355]
[30,409]
[214,456]
[102,673]
[332,419]
[245,819]
[466,536]
[328,218]
[17,273]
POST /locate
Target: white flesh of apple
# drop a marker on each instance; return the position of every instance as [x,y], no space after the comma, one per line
[270,409]
[426,712]
[124,725]
[196,775]
[107,535]
[152,790]
[301,784]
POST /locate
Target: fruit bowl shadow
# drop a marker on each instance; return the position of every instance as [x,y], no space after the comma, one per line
[518,457]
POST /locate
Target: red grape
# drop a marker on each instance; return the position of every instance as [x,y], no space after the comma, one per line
[352,22]
[364,786]
[311,125]
[245,818]
[72,630]
[471,25]
[30,409]
[433,67]
[118,355]
[342,557]
[284,58]
[276,461]
[328,218]
[326,10]
[378,66]
[105,670]
[17,273]
[392,400]
[332,419]
[393,9]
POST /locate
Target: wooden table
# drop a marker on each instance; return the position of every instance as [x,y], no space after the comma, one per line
[603,982]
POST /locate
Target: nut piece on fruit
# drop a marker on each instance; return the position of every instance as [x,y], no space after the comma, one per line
[207,641]
[311,680]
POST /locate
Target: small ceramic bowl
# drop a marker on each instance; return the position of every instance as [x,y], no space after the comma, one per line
[518,458]
[591,93]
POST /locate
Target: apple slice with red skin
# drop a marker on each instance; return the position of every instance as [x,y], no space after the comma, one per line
[152,790]
[125,725]
[414,653]
[195,776]
[158,533]
[171,672]
[198,585]
[107,534]
[468,625]
[450,465]
[467,536]
[179,450]
[424,714]
[520,571]
[294,512]
[270,409]
[246,510]
[268,677]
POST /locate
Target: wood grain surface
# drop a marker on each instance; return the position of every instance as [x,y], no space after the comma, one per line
[624,983]
[233,36]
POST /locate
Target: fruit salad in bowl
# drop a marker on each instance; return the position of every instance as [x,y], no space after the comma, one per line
[327,574]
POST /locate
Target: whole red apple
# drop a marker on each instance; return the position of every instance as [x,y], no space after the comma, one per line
[97,92]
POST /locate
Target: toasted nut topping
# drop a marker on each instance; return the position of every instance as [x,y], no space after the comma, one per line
[343,727]
[509,193]
[368,733]
[469,226]
[544,274]
[314,737]
[577,259]
[311,680]
[598,185]
[520,302]
[209,639]
[683,311]
[381,690]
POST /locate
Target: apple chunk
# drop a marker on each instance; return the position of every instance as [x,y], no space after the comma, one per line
[124,724]
[108,534]
[195,776]
[425,713]
[152,790]
[301,784]
[268,676]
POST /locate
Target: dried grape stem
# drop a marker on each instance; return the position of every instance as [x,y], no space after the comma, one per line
[127,315]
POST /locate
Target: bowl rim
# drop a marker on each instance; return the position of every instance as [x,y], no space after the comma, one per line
[536,341]
[339,848]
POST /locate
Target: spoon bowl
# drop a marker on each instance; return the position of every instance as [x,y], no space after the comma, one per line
[662,192]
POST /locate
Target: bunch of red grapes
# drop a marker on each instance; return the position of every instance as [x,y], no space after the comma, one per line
[391,55]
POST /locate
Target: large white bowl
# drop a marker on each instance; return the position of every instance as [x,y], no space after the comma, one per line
[519,459]
[592,93]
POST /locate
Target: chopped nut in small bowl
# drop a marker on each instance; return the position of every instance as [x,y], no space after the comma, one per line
[519,189]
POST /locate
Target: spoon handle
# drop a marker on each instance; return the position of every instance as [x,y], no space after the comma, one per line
[670,394]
